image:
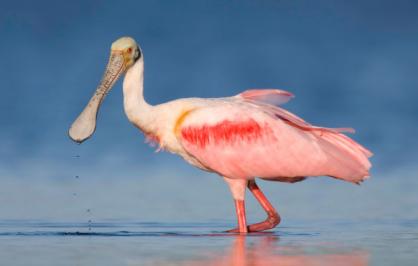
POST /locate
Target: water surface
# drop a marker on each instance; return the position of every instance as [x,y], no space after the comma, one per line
[317,242]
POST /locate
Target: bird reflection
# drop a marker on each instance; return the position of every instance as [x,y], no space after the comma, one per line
[264,251]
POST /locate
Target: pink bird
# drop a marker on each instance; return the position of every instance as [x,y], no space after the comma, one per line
[240,138]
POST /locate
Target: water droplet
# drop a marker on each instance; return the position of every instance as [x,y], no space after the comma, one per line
[74,194]
[76,156]
[88,210]
[77,176]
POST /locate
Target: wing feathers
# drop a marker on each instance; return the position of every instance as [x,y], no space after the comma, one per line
[268,96]
[249,137]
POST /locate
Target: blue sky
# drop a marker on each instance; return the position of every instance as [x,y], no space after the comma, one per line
[349,63]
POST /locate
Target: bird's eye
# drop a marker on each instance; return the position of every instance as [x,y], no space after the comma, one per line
[137,53]
[130,50]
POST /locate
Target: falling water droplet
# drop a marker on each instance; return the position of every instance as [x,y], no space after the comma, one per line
[88,210]
[74,194]
[77,176]
[76,156]
[89,222]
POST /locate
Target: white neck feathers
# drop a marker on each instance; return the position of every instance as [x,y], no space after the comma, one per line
[137,110]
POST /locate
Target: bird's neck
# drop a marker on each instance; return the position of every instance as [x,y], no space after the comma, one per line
[138,111]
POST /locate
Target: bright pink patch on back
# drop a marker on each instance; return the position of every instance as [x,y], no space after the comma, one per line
[223,132]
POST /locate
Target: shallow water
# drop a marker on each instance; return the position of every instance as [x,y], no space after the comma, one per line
[335,242]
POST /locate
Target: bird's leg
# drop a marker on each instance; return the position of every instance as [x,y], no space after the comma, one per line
[242,221]
[273,217]
[237,187]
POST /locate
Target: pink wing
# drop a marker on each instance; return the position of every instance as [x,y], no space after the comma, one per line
[269,96]
[278,97]
[241,140]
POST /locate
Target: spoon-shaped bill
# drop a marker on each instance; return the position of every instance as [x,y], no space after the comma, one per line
[85,124]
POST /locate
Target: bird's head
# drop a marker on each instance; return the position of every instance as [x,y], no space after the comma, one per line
[124,53]
[128,49]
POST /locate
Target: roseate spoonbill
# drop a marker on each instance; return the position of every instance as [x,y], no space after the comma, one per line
[241,138]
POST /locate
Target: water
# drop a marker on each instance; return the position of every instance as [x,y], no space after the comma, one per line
[320,242]
[324,222]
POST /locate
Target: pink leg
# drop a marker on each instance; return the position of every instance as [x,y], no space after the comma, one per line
[242,221]
[273,218]
[237,187]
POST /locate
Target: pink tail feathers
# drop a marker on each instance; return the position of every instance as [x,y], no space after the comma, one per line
[351,158]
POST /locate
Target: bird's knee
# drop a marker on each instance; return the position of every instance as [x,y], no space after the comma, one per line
[273,219]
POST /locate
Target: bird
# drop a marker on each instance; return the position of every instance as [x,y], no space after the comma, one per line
[241,138]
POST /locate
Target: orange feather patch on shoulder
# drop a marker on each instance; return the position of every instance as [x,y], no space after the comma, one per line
[180,120]
[223,132]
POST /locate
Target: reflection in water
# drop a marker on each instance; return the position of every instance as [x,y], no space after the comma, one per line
[260,251]
[45,243]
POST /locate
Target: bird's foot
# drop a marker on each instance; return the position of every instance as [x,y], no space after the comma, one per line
[272,221]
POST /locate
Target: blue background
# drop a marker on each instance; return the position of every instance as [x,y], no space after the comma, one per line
[349,63]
